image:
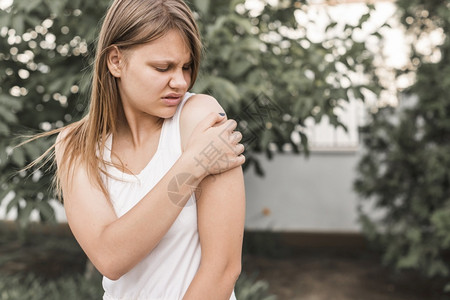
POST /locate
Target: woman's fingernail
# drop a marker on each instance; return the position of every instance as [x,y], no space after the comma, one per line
[222,114]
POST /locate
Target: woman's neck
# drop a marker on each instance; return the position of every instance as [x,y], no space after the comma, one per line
[136,131]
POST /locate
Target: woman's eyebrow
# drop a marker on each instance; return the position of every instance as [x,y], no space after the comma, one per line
[168,61]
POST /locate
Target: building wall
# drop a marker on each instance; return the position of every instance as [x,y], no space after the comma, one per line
[304,194]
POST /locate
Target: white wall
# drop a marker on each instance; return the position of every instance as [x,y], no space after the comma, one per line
[299,194]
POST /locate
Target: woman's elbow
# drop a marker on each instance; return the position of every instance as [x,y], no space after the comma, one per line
[109,268]
[233,270]
[112,275]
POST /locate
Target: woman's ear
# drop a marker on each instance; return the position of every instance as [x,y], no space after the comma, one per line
[115,60]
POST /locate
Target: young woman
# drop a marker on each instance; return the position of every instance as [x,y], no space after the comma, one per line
[151,178]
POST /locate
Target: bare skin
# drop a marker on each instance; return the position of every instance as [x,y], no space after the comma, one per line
[221,216]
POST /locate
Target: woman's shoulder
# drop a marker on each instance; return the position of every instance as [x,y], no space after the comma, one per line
[195,110]
[63,138]
[198,107]
[200,104]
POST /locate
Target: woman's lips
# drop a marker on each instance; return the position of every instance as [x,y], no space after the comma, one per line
[172,99]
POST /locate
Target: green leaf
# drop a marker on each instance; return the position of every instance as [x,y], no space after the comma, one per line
[18,23]
[3,158]
[239,67]
[32,21]
[258,168]
[438,268]
[267,137]
[3,193]
[10,102]
[18,157]
[234,3]
[249,44]
[202,5]
[4,129]
[243,22]
[32,150]
[364,18]
[24,214]
[225,89]
[12,204]
[46,210]
[8,116]
[411,260]
[447,288]
[331,25]
[57,85]
[31,5]
[5,19]
[56,7]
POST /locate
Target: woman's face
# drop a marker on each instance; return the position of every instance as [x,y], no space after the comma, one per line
[153,77]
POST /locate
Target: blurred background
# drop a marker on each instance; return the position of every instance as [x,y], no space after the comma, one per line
[345,110]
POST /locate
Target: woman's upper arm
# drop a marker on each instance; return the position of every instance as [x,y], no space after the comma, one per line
[221,218]
[87,208]
[221,202]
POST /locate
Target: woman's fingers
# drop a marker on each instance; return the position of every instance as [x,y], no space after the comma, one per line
[210,120]
[214,145]
[241,159]
[235,137]
[228,126]
[239,149]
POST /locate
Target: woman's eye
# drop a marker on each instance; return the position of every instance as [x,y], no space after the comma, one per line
[162,69]
[188,67]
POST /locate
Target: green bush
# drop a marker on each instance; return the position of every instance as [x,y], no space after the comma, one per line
[405,171]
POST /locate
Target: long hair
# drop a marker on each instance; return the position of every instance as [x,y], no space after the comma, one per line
[127,23]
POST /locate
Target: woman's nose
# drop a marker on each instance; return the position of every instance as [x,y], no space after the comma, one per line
[178,80]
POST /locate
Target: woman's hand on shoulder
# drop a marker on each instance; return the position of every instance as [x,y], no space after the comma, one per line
[208,139]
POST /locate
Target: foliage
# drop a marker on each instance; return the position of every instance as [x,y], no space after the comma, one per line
[248,288]
[78,287]
[42,70]
[405,171]
[271,76]
[32,288]
[261,66]
[265,243]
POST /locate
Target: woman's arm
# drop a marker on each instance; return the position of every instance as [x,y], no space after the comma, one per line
[221,213]
[115,245]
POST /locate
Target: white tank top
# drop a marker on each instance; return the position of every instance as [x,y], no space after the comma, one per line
[166,273]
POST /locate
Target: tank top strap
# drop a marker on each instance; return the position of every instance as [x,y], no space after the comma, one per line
[171,139]
[176,116]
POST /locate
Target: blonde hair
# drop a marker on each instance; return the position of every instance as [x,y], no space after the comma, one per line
[127,23]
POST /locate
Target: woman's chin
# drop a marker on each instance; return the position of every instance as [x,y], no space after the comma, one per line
[168,113]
